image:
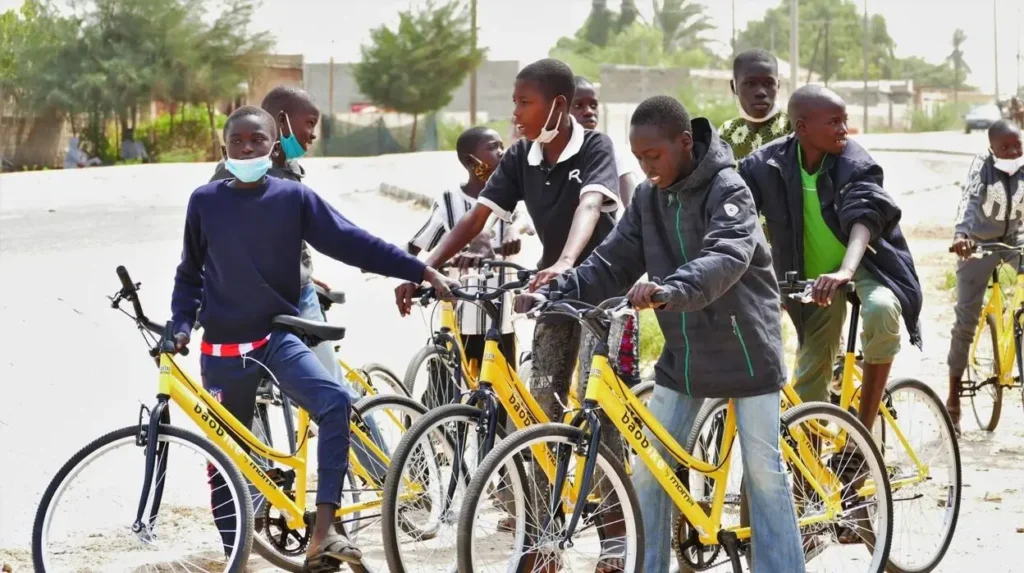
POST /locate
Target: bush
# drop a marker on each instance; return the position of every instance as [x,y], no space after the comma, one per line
[188,142]
[715,108]
[947,117]
[448,132]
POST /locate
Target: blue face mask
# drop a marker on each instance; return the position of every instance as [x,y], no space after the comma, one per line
[290,146]
[249,170]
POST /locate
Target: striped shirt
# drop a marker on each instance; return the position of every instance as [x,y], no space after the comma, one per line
[444,215]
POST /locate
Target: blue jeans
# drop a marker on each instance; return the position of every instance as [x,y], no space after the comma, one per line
[309,309]
[776,538]
[303,379]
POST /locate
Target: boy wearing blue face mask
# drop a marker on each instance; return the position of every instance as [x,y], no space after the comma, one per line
[991,210]
[245,271]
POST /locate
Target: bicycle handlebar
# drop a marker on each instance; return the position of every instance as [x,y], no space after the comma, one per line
[130,291]
[982,249]
[426,293]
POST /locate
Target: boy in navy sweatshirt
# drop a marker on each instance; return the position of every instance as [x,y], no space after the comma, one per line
[242,245]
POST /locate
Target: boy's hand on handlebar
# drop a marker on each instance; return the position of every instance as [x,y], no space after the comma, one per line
[641,296]
[442,284]
[825,286]
[511,247]
[180,341]
[526,302]
[547,275]
[962,246]
[403,297]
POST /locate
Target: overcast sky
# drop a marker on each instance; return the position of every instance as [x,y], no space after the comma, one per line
[524,30]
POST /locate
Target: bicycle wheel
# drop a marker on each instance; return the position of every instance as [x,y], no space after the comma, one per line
[178,528]
[983,374]
[383,419]
[429,473]
[925,510]
[489,540]
[430,377]
[384,381]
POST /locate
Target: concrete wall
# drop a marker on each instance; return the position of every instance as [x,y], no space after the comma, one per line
[494,88]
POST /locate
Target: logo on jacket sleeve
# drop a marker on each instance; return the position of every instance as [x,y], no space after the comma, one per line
[731,210]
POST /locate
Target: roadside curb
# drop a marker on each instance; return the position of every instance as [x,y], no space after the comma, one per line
[923,151]
[394,192]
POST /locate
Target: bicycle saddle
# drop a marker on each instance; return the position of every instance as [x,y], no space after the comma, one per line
[316,332]
[334,296]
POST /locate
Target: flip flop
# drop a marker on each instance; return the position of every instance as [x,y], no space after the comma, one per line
[335,550]
[612,550]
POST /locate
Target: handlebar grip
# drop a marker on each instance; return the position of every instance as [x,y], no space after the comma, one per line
[126,281]
[660,297]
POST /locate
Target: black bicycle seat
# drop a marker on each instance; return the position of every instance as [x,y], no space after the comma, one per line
[334,296]
[319,331]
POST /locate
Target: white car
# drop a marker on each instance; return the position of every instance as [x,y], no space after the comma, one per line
[981,117]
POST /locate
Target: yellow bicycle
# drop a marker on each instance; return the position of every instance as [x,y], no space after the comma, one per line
[419,530]
[913,432]
[556,531]
[169,525]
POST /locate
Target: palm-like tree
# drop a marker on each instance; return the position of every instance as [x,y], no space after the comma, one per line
[681,23]
[956,59]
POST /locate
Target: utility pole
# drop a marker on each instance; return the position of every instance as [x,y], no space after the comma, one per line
[828,24]
[867,24]
[472,75]
[733,42]
[330,90]
[995,44]
[794,45]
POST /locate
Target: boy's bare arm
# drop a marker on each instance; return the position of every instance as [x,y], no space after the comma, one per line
[825,286]
[584,222]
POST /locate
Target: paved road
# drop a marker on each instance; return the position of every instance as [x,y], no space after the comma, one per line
[73,369]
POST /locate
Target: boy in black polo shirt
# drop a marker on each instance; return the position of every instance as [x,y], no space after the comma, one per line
[567,177]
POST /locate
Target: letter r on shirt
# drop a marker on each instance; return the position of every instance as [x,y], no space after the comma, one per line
[575,174]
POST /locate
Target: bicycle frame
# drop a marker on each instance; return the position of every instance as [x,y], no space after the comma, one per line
[1008,329]
[218,425]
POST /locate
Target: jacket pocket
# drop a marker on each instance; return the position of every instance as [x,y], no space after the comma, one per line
[743,345]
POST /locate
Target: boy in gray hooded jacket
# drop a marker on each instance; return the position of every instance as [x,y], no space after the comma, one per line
[693,229]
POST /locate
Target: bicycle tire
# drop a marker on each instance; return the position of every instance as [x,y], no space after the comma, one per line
[389,377]
[295,564]
[391,522]
[423,355]
[521,439]
[232,475]
[946,424]
[989,423]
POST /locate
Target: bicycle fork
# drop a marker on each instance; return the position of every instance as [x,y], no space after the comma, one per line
[156,464]
[587,415]
[484,399]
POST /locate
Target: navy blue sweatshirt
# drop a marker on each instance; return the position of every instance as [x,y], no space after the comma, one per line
[241,252]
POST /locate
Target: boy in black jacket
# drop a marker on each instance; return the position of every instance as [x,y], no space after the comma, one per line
[831,221]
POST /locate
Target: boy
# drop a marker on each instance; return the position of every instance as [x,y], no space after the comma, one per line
[693,229]
[479,150]
[754,86]
[831,220]
[990,211]
[565,175]
[241,259]
[585,109]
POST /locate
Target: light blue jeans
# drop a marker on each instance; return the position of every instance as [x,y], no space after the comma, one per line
[776,539]
[309,309]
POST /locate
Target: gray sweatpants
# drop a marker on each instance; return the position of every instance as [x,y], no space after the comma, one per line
[972,277]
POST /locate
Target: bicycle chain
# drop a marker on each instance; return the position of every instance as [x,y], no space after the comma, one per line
[685,542]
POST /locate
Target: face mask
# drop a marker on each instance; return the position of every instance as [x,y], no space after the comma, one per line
[1009,166]
[249,170]
[481,170]
[290,146]
[546,135]
[743,113]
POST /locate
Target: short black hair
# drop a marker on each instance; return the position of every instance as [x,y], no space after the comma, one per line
[553,77]
[754,56]
[286,98]
[582,82]
[1002,127]
[468,140]
[810,95]
[260,114]
[664,112]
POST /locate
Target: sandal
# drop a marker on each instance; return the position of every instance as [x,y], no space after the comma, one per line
[335,550]
[613,556]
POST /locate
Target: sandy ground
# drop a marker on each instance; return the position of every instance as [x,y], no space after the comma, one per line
[72,369]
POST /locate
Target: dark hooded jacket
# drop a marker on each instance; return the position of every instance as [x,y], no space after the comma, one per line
[702,240]
[850,189]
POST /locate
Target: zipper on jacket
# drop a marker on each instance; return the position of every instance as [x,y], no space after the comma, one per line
[743,345]
[686,338]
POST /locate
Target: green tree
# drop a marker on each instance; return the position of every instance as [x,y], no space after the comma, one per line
[638,45]
[415,68]
[682,23]
[956,60]
[599,27]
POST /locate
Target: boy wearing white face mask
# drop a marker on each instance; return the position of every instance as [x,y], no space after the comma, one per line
[755,85]
[991,210]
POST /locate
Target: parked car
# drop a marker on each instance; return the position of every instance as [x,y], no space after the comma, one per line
[981,117]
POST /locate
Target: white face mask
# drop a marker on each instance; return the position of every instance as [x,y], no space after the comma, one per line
[1008,166]
[546,135]
[743,113]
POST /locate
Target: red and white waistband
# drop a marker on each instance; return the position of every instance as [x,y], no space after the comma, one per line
[232,349]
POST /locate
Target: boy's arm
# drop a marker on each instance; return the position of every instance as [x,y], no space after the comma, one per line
[613,266]
[188,279]
[430,234]
[970,201]
[598,177]
[864,200]
[729,244]
[329,232]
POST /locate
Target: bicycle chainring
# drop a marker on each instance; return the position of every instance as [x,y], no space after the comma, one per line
[689,549]
[285,540]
